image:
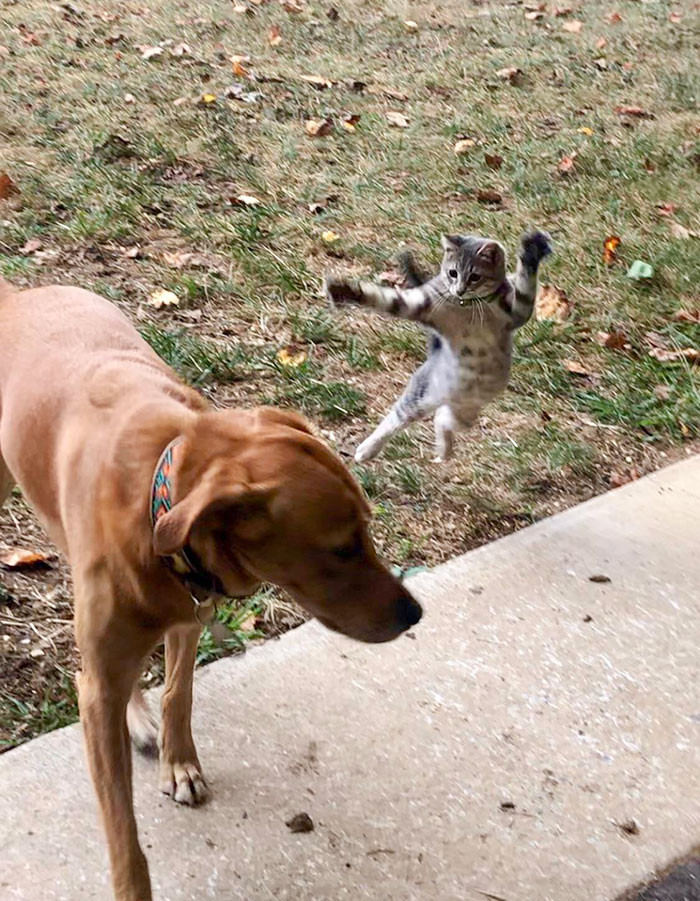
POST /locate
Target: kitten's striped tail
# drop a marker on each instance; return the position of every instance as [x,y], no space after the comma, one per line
[534,247]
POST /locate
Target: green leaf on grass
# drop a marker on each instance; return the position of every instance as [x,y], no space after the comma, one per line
[640,269]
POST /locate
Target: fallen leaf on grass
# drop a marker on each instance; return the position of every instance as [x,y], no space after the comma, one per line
[21,558]
[511,74]
[318,128]
[640,269]
[619,478]
[206,100]
[615,340]
[410,25]
[350,120]
[687,316]
[238,65]
[32,245]
[601,63]
[289,356]
[610,246]
[666,209]
[614,18]
[585,130]
[666,355]
[635,112]
[600,43]
[181,50]
[131,253]
[176,259]
[387,92]
[573,27]
[129,98]
[675,17]
[563,11]
[680,231]
[567,164]
[489,195]
[397,120]
[274,36]
[293,6]
[576,368]
[552,303]
[150,52]
[493,160]
[330,237]
[318,81]
[7,186]
[245,200]
[161,298]
[534,15]
[464,146]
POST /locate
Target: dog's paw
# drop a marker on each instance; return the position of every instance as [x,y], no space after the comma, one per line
[535,246]
[340,292]
[184,783]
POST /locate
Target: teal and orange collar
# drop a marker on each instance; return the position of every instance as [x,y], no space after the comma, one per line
[204,588]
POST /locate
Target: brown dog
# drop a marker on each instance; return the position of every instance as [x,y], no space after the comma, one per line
[104,439]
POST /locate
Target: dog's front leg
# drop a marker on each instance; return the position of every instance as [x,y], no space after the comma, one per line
[180,771]
[103,715]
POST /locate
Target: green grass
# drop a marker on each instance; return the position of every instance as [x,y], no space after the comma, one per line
[100,176]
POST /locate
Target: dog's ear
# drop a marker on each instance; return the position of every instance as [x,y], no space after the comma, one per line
[284,417]
[243,505]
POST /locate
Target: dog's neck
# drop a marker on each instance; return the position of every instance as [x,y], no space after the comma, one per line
[204,587]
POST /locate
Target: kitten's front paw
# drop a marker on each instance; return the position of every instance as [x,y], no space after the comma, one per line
[535,246]
[366,451]
[340,292]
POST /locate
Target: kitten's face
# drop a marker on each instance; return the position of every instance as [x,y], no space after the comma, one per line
[472,267]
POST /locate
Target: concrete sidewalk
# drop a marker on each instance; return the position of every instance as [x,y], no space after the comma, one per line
[496,753]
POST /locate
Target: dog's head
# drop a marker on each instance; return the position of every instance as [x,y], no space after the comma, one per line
[259,498]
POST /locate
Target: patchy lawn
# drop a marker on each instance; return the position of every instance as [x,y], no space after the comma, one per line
[165,146]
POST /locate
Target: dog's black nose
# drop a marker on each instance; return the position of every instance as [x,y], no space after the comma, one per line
[410,611]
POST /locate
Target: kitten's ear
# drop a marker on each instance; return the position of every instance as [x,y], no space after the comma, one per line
[451,242]
[492,252]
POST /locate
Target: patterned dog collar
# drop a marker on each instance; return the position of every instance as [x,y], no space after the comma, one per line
[204,588]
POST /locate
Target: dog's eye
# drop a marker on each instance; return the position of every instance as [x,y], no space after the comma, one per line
[350,550]
[474,277]
[453,274]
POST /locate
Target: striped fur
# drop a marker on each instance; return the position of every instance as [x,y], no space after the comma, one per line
[471,309]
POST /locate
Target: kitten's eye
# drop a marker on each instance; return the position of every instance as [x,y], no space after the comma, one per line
[453,273]
[474,277]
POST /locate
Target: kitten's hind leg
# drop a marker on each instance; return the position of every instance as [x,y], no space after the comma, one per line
[445,426]
[389,426]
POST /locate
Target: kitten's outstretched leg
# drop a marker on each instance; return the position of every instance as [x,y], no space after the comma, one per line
[445,425]
[421,398]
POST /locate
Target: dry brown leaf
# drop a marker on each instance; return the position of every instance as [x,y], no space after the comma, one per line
[601,63]
[511,74]
[7,186]
[576,368]
[293,6]
[635,112]
[350,120]
[534,14]
[667,355]
[238,65]
[614,18]
[161,298]
[675,17]
[666,209]
[176,259]
[318,128]
[567,164]
[552,303]
[610,246]
[489,195]
[619,478]
[150,52]
[274,36]
[21,558]
[493,160]
[245,200]
[680,231]
[397,120]
[600,43]
[290,356]
[573,27]
[615,340]
[318,81]
[31,246]
[387,92]
[464,146]
[563,11]
[687,316]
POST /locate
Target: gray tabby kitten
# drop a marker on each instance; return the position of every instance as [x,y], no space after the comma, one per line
[473,307]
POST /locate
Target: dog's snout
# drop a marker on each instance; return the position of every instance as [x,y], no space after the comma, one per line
[410,611]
